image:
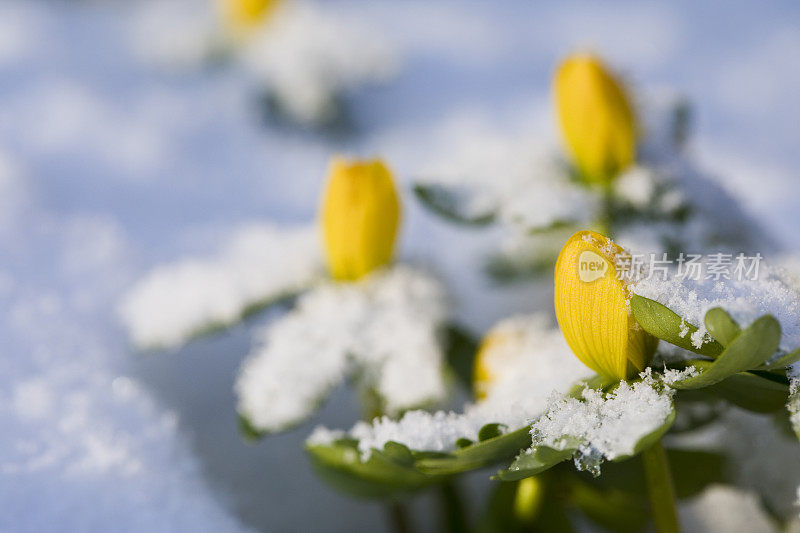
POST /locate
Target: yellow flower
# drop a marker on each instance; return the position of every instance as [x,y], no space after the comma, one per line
[597,122]
[592,308]
[360,214]
[244,15]
[484,372]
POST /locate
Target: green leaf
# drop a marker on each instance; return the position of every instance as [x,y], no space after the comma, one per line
[752,392]
[721,326]
[665,324]
[597,382]
[445,203]
[248,432]
[381,476]
[536,461]
[489,451]
[490,431]
[398,453]
[748,350]
[784,360]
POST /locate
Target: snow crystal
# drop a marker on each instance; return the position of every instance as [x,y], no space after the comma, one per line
[671,376]
[610,424]
[531,362]
[386,327]
[261,263]
[745,300]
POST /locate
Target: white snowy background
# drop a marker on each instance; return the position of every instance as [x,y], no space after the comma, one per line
[109,166]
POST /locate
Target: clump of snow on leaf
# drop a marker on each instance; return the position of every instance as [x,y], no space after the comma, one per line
[745,300]
[531,362]
[261,263]
[606,424]
[521,181]
[385,329]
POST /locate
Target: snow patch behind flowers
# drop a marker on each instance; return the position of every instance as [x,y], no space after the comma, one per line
[386,329]
[722,509]
[307,56]
[531,363]
[261,263]
[773,292]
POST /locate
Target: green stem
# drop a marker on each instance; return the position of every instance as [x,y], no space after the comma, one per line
[398,517]
[607,216]
[659,487]
[453,517]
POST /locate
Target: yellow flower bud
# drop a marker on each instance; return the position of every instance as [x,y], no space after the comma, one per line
[360,215]
[597,122]
[243,15]
[593,311]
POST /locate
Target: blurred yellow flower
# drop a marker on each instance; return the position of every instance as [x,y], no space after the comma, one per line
[243,15]
[483,375]
[360,214]
[593,311]
[528,499]
[596,118]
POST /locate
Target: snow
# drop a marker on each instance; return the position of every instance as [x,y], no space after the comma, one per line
[527,359]
[84,446]
[385,329]
[722,509]
[530,362]
[309,56]
[166,164]
[607,424]
[745,300]
[523,181]
[260,263]
[304,54]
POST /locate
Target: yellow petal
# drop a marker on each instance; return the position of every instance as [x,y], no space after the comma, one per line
[243,15]
[593,311]
[484,371]
[360,215]
[596,118]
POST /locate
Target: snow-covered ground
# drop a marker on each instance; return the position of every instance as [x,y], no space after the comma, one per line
[109,167]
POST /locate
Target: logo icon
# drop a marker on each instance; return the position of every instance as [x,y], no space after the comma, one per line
[591,266]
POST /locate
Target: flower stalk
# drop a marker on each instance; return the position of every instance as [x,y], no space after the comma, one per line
[660,489]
